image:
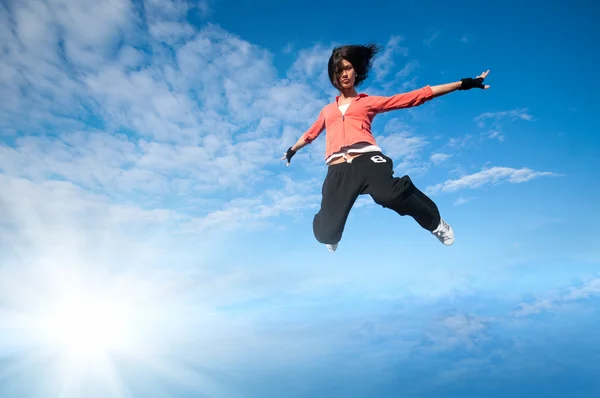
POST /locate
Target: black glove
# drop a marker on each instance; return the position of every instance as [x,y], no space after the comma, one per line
[289,154]
[469,83]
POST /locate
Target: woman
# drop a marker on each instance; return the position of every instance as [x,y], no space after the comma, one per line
[356,165]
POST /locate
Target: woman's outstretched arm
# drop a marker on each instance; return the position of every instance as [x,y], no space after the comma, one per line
[447,88]
[443,89]
[422,95]
[309,136]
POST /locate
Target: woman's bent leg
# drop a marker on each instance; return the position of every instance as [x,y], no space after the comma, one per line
[399,193]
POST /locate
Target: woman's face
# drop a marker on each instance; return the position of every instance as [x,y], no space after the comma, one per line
[347,75]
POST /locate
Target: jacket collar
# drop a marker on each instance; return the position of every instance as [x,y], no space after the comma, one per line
[359,96]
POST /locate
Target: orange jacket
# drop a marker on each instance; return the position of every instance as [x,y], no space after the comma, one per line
[355,125]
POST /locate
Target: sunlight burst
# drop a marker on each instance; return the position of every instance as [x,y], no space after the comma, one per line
[84,327]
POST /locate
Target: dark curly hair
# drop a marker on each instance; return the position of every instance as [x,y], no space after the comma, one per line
[360,56]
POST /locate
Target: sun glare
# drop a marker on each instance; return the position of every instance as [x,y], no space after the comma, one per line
[93,331]
[85,327]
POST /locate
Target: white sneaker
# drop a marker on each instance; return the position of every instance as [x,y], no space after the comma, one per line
[444,233]
[332,248]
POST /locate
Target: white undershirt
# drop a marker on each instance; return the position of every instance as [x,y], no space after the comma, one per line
[356,148]
[344,107]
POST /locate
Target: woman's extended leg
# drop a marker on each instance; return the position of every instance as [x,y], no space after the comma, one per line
[340,191]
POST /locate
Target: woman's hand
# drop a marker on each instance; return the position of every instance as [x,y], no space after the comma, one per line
[288,155]
[469,83]
[463,84]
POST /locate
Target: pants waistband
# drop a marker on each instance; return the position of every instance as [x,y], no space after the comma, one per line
[360,158]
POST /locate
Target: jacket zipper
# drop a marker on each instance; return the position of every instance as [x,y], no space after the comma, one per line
[344,129]
[344,121]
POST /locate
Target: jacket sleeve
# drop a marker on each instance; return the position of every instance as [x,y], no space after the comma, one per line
[402,100]
[316,129]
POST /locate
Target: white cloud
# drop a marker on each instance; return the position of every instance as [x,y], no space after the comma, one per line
[202,113]
[495,134]
[363,202]
[492,176]
[553,302]
[439,158]
[590,287]
[386,65]
[250,214]
[206,119]
[402,145]
[458,330]
[171,32]
[460,201]
[310,68]
[408,85]
[405,149]
[495,130]
[386,60]
[409,68]
[290,102]
[461,141]
[52,213]
[43,212]
[182,136]
[515,114]
[123,166]
[166,19]
[404,135]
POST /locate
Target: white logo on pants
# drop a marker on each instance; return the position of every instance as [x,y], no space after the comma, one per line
[378,159]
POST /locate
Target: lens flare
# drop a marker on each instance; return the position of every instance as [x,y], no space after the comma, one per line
[85,327]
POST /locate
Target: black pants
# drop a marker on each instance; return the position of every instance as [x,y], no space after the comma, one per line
[372,174]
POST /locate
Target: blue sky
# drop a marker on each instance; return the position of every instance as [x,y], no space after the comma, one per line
[154,244]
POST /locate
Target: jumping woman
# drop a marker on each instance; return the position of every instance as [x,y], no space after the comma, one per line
[356,164]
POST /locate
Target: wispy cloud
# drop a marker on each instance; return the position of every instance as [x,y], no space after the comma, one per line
[403,145]
[492,125]
[115,164]
[163,116]
[589,288]
[459,330]
[250,214]
[142,107]
[439,158]
[492,122]
[288,49]
[461,201]
[166,20]
[494,134]
[432,35]
[363,202]
[386,61]
[408,68]
[492,176]
[61,204]
[461,141]
[170,118]
[310,69]
[515,114]
[392,71]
